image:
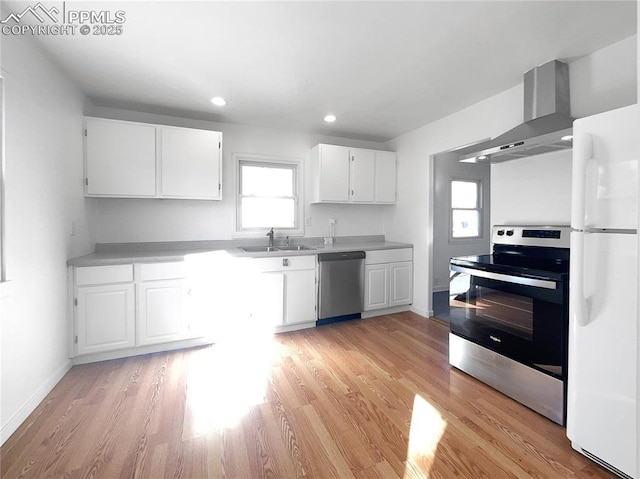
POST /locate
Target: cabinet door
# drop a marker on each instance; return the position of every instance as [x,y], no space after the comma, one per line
[191,161]
[376,288]
[401,283]
[385,182]
[300,296]
[362,175]
[105,318]
[161,315]
[120,159]
[334,173]
[268,302]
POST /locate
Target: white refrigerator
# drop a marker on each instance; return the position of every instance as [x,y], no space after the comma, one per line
[602,389]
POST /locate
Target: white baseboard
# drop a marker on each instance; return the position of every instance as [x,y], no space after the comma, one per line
[295,327]
[422,312]
[23,413]
[140,350]
[382,312]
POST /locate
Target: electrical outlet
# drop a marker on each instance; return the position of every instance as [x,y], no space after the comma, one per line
[73,228]
[332,221]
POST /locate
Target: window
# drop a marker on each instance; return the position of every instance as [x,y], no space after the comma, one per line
[268,195]
[466,209]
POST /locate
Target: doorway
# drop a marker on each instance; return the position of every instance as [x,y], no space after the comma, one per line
[461,222]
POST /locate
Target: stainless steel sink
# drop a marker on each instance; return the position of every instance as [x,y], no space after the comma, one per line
[257,249]
[268,249]
[299,247]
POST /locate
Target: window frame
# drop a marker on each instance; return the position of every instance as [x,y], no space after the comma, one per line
[296,165]
[479,208]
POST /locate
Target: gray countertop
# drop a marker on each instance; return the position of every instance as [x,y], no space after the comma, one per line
[123,253]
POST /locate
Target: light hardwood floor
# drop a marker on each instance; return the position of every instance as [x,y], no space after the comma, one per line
[372,398]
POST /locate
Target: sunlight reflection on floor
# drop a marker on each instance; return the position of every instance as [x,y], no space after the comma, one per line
[230,377]
[427,428]
[225,381]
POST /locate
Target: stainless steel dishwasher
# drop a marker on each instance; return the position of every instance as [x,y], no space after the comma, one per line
[341,289]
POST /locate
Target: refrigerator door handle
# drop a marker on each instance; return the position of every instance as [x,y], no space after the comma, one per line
[576,281]
[582,154]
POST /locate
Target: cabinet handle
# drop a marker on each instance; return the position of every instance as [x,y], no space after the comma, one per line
[285,262]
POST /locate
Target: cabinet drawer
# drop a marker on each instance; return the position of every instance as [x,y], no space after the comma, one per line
[119,273]
[284,263]
[154,271]
[389,256]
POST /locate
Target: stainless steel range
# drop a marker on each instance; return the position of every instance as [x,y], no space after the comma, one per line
[509,316]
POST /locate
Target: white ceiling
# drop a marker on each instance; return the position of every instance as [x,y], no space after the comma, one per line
[383,68]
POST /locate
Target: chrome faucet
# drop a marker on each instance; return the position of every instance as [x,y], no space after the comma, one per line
[270,235]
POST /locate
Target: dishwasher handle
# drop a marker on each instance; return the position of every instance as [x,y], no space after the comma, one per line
[345,256]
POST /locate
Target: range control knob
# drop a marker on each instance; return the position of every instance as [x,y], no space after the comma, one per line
[509,232]
[500,232]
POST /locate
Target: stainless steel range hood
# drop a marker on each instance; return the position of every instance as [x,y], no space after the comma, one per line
[547,123]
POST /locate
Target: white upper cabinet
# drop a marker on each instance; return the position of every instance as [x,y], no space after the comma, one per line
[137,160]
[120,159]
[190,163]
[362,176]
[330,167]
[352,175]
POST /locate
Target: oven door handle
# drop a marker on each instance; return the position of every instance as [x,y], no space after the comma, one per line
[538,283]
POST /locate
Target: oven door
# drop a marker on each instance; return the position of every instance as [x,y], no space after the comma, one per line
[519,317]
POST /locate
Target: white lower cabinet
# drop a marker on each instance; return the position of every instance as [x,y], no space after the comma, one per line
[161,311]
[164,296]
[388,278]
[105,308]
[376,293]
[117,309]
[105,318]
[299,296]
[401,285]
[284,292]
[267,308]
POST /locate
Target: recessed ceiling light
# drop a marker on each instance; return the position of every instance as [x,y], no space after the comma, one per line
[218,101]
[567,137]
[482,157]
[330,118]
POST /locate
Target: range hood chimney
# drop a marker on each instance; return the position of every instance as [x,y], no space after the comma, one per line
[547,125]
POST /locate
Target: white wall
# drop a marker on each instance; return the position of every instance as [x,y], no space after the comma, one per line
[533,190]
[118,220]
[43,196]
[412,219]
[538,190]
[603,81]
